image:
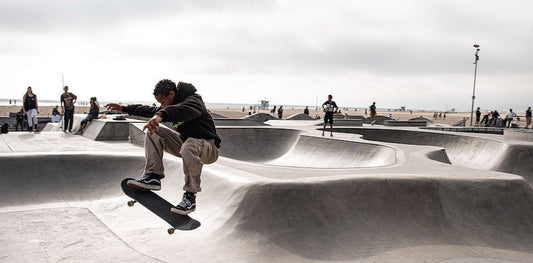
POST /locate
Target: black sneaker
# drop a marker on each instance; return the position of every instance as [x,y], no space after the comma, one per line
[148,182]
[187,204]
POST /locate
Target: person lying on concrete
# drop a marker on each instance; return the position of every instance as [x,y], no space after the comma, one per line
[193,137]
[93,114]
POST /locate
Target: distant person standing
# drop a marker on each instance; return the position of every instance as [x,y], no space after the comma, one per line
[528,117]
[280,112]
[329,108]
[373,113]
[478,116]
[31,109]
[67,108]
[306,111]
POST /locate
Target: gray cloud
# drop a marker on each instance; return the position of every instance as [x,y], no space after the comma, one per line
[423,46]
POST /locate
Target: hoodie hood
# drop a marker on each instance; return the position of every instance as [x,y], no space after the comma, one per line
[184,90]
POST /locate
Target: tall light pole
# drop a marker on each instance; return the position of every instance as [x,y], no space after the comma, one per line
[476,46]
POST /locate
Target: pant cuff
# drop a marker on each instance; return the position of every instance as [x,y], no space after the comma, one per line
[192,189]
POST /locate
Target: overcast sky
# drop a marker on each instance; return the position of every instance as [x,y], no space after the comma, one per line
[417,54]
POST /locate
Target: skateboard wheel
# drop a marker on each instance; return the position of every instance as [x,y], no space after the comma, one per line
[170,231]
[131,203]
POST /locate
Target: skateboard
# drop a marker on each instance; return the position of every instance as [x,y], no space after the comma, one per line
[160,207]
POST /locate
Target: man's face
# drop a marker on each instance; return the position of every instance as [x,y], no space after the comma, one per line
[65,89]
[165,100]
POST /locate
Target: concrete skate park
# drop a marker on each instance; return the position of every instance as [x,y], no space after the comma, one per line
[280,192]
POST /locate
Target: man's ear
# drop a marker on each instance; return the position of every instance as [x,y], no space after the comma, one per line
[172,95]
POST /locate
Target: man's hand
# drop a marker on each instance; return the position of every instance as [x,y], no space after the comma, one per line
[114,107]
[153,124]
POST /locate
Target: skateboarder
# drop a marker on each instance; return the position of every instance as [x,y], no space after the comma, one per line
[373,113]
[329,108]
[193,138]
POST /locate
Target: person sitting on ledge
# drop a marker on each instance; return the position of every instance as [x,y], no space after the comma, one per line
[93,114]
[55,115]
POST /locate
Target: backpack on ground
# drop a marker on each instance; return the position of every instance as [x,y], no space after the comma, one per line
[5,127]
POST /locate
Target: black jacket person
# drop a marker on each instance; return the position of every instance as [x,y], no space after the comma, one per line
[193,138]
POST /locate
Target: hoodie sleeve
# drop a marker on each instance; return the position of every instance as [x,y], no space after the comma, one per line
[140,110]
[190,108]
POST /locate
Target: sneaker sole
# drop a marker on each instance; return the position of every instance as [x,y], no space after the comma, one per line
[181,212]
[144,187]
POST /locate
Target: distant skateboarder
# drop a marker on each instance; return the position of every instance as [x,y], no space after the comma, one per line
[193,138]
[329,108]
[373,113]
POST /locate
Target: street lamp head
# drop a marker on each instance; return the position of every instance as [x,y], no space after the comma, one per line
[476,45]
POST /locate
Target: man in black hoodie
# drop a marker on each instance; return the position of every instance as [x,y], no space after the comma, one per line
[194,138]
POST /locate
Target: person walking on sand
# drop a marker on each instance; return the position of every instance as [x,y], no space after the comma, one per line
[373,113]
[194,138]
[67,101]
[31,109]
[329,107]
[528,117]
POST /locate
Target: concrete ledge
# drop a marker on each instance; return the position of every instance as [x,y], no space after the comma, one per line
[350,122]
[519,135]
[300,116]
[414,123]
[105,129]
[260,117]
[487,130]
[237,122]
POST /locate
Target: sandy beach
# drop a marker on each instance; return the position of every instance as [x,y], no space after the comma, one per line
[451,118]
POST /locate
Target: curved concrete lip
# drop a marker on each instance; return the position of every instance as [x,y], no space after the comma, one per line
[292,148]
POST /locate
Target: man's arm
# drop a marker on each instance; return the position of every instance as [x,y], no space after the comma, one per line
[189,109]
[140,110]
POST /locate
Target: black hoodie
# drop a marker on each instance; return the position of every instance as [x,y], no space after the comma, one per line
[187,113]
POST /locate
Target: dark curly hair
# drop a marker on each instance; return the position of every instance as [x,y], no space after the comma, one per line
[164,86]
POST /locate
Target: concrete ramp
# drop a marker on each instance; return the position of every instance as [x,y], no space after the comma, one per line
[374,218]
[464,150]
[61,200]
[288,147]
[64,178]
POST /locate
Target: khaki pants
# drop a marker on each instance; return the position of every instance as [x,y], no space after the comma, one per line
[194,152]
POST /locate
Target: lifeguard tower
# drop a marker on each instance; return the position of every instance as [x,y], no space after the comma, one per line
[264,104]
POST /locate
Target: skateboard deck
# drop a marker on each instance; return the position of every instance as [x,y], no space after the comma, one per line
[160,207]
